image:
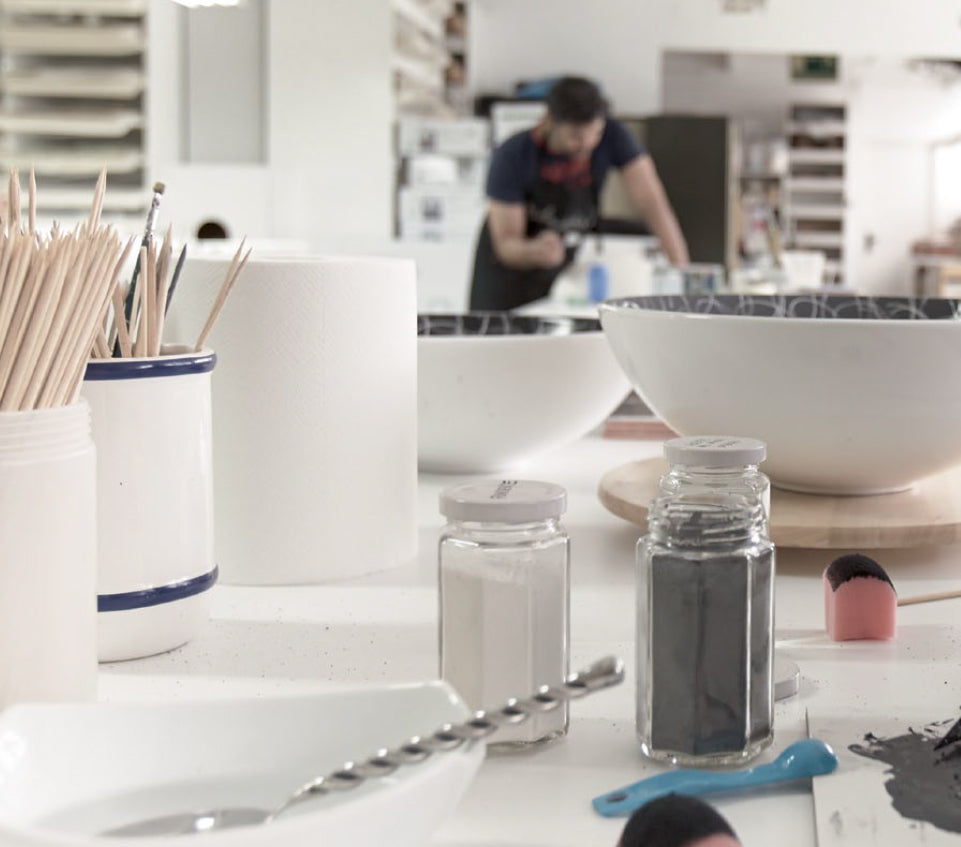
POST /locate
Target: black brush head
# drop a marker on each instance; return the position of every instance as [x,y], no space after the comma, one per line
[674,820]
[853,565]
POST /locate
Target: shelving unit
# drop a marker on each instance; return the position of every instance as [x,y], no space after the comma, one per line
[420,56]
[441,151]
[814,203]
[72,83]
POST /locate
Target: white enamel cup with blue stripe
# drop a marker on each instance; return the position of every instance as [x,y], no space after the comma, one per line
[151,424]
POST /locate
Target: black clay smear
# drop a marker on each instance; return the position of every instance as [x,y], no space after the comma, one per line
[925,783]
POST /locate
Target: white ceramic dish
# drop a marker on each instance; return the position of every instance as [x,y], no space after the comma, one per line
[70,771]
[495,389]
[853,395]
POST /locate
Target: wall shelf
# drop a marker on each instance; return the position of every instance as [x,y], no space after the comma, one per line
[111,8]
[814,208]
[72,100]
[70,82]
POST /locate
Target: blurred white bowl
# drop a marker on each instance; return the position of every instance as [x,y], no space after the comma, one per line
[853,395]
[495,389]
[71,771]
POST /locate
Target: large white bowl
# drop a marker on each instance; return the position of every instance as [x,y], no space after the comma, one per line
[853,395]
[70,771]
[495,389]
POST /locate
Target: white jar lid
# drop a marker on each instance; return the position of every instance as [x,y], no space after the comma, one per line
[715,451]
[503,501]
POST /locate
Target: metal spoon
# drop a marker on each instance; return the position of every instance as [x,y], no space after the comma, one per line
[604,673]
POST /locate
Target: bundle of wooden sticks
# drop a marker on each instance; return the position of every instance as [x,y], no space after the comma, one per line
[54,292]
[62,301]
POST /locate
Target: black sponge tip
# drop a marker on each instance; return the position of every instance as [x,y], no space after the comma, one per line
[851,566]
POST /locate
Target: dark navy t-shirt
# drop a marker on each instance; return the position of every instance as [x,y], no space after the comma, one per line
[514,164]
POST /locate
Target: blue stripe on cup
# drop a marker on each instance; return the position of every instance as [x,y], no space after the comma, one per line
[156,596]
[176,365]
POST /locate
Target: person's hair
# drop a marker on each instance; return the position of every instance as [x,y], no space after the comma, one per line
[673,821]
[575,100]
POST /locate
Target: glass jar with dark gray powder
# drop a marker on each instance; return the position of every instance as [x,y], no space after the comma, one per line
[705,609]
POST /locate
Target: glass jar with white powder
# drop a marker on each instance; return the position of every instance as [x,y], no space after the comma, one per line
[504,599]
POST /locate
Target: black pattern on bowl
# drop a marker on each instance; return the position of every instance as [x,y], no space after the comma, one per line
[798,306]
[502,323]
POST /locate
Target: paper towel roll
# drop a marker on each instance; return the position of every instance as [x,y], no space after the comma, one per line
[314,414]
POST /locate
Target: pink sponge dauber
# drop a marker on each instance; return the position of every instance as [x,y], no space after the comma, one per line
[859,599]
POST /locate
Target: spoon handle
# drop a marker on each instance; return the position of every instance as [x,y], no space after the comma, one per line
[603,673]
[623,801]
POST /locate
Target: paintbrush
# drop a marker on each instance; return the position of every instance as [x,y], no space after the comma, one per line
[173,282]
[158,190]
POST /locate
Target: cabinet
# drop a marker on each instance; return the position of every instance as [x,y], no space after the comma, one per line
[814,203]
[72,81]
[696,161]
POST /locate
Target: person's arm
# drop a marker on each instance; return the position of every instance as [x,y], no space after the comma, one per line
[647,195]
[508,229]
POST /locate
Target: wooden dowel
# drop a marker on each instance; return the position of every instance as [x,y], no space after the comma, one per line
[929,598]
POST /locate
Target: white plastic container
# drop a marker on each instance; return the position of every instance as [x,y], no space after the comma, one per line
[48,610]
[152,427]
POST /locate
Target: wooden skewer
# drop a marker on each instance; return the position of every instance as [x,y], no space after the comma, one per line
[120,321]
[73,387]
[225,288]
[90,316]
[30,290]
[929,598]
[33,202]
[50,279]
[14,200]
[153,338]
[143,295]
[78,336]
[163,284]
[101,346]
[97,206]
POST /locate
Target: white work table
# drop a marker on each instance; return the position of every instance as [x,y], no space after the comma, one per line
[383,628]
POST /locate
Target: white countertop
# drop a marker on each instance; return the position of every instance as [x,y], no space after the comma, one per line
[383,628]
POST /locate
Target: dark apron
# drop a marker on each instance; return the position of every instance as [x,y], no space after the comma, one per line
[550,205]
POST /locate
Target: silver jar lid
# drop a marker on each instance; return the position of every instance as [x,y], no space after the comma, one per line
[503,501]
[715,451]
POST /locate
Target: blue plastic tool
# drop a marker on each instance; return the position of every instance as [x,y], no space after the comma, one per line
[805,758]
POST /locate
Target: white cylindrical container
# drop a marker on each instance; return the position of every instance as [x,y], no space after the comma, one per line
[315,414]
[48,586]
[504,599]
[153,430]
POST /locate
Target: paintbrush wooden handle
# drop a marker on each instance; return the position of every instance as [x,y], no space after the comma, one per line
[928,598]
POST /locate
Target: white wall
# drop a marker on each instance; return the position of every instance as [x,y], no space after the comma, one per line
[620,41]
[896,110]
[612,41]
[329,102]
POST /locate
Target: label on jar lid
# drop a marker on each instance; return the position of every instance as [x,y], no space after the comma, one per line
[715,451]
[503,501]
